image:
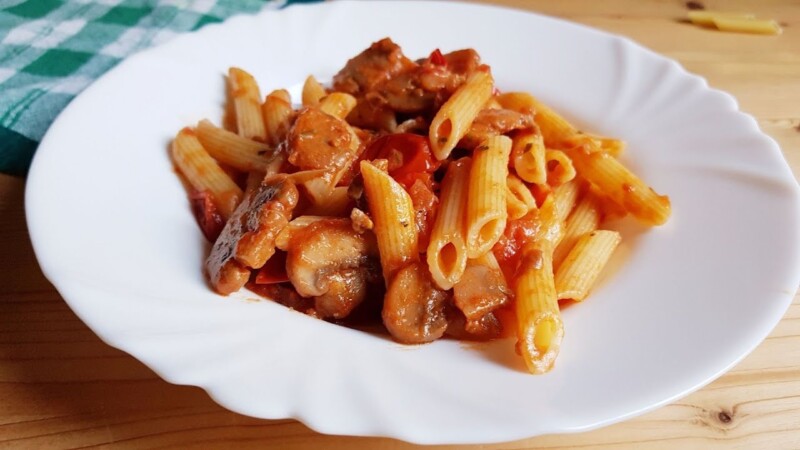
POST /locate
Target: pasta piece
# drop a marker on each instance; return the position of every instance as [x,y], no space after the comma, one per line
[246,102]
[564,198]
[230,148]
[519,199]
[620,184]
[447,250]
[539,326]
[528,157]
[277,111]
[559,167]
[614,147]
[486,208]
[452,121]
[584,263]
[312,91]
[584,219]
[203,173]
[394,220]
[740,25]
[284,237]
[338,104]
[555,129]
[706,17]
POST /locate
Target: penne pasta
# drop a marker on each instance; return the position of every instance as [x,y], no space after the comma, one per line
[620,184]
[312,91]
[277,111]
[564,198]
[706,17]
[539,326]
[486,207]
[447,249]
[234,150]
[337,104]
[555,129]
[452,121]
[393,217]
[246,102]
[614,147]
[559,167]
[528,157]
[203,173]
[740,25]
[584,219]
[583,264]
[519,199]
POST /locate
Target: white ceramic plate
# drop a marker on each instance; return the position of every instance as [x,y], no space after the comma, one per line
[112,229]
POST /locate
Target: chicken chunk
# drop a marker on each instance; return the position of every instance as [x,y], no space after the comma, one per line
[319,141]
[380,62]
[248,238]
[491,122]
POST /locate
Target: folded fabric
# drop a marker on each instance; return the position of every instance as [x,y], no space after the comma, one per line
[50,50]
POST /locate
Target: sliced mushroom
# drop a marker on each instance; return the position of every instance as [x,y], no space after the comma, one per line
[414,308]
[333,263]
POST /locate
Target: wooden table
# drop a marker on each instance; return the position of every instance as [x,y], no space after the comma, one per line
[61,387]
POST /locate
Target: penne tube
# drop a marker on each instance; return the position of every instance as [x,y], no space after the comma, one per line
[394,220]
[528,157]
[447,249]
[555,129]
[740,25]
[584,219]
[559,167]
[203,173]
[486,207]
[519,199]
[337,104]
[246,103]
[706,18]
[539,326]
[583,264]
[620,184]
[234,150]
[454,118]
[564,198]
[614,147]
[277,112]
[312,91]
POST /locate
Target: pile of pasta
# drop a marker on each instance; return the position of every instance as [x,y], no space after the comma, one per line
[413,193]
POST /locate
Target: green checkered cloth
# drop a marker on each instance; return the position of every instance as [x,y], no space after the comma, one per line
[50,50]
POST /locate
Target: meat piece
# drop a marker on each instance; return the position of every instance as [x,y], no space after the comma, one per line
[381,61]
[403,93]
[445,79]
[491,122]
[426,204]
[333,263]
[319,141]
[248,238]
[414,308]
[481,290]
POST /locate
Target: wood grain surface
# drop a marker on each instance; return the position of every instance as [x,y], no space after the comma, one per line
[61,387]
